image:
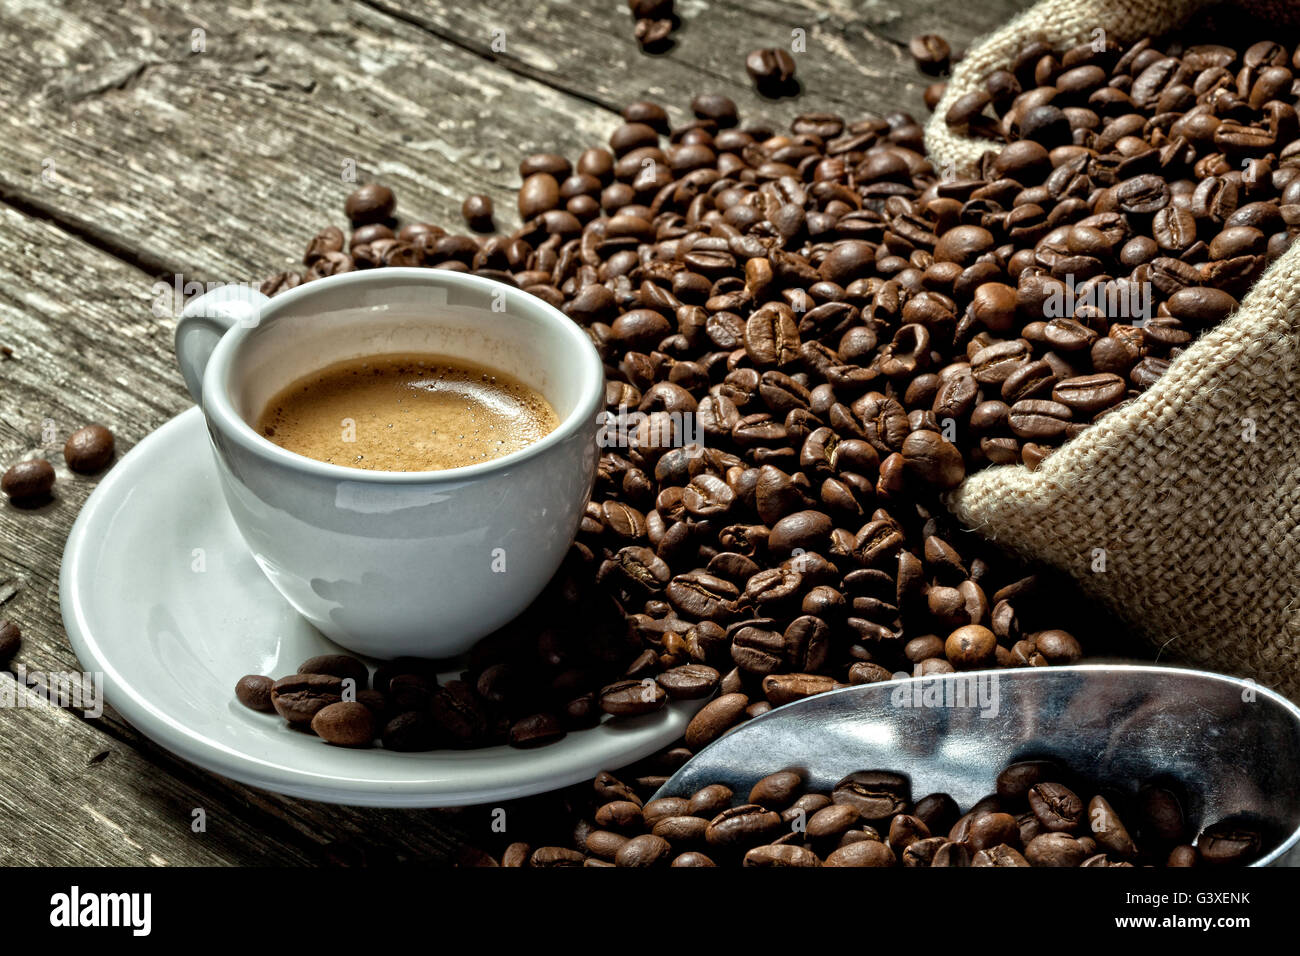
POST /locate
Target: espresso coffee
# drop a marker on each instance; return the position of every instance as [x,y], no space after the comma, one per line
[406,412]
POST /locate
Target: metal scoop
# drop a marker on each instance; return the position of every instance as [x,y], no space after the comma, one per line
[1233,745]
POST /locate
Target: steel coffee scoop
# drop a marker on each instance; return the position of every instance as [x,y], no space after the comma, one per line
[1232,746]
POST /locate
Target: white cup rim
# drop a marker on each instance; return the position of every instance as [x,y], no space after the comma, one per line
[220,411]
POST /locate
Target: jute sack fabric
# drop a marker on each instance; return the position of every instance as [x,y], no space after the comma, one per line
[1181,510]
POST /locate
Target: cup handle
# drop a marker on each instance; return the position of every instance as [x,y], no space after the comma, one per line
[204,321]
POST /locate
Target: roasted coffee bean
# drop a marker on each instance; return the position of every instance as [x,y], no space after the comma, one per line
[409,732]
[644,851]
[535,730]
[771,69]
[459,714]
[1108,830]
[933,459]
[970,647]
[651,34]
[875,794]
[863,853]
[930,52]
[714,719]
[742,826]
[548,856]
[778,790]
[28,481]
[342,666]
[632,697]
[1089,394]
[477,211]
[298,698]
[1055,849]
[1001,855]
[1014,782]
[89,449]
[1161,815]
[992,829]
[1057,807]
[689,681]
[345,724]
[682,830]
[370,203]
[710,801]
[252,690]
[781,856]
[1227,844]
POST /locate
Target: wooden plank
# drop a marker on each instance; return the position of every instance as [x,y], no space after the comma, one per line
[855,58]
[222,163]
[72,797]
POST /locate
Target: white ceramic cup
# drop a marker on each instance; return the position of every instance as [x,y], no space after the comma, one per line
[391,563]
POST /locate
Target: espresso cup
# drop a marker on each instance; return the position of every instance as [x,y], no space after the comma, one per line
[390,563]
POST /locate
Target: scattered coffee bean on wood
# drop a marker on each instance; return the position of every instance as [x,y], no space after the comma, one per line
[655,21]
[89,449]
[28,481]
[477,212]
[930,52]
[771,69]
[11,638]
[372,203]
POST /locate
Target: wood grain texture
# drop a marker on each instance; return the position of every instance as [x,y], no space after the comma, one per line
[88,800]
[127,157]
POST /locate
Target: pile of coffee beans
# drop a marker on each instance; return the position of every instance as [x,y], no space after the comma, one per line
[809,336]
[88,451]
[1041,814]
[1140,193]
[768,523]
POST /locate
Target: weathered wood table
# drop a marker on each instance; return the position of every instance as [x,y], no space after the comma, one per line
[163,142]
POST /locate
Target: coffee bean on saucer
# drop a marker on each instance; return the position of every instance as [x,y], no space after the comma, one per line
[632,697]
[477,211]
[297,698]
[88,449]
[535,730]
[689,681]
[28,480]
[254,692]
[370,203]
[345,724]
[342,666]
[410,732]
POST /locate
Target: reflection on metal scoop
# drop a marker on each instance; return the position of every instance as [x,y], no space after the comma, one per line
[1233,746]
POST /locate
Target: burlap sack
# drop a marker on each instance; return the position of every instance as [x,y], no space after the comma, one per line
[1181,510]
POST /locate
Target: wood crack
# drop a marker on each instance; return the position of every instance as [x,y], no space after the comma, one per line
[101,240]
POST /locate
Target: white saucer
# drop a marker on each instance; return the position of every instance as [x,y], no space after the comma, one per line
[171,642]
